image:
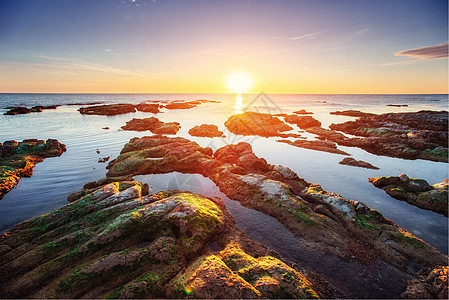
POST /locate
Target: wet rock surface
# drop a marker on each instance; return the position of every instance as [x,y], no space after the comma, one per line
[108,109]
[302,122]
[254,123]
[328,222]
[418,135]
[325,146]
[349,161]
[431,284]
[187,104]
[152,246]
[149,107]
[19,110]
[351,113]
[205,130]
[17,159]
[415,191]
[152,124]
[303,112]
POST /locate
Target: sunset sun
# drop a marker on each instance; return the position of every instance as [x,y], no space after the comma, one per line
[239,82]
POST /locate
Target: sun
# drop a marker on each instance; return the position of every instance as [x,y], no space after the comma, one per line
[239,82]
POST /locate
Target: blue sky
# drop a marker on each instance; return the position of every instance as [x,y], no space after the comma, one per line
[187,46]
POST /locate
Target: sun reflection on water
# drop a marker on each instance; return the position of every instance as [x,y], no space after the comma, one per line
[238,104]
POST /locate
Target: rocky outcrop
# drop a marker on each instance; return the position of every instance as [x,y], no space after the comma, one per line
[205,130]
[302,122]
[152,124]
[349,161]
[415,191]
[17,159]
[326,146]
[431,284]
[351,113]
[149,107]
[19,110]
[108,109]
[348,229]
[143,246]
[254,123]
[422,135]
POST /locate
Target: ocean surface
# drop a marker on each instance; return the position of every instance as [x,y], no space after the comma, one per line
[55,178]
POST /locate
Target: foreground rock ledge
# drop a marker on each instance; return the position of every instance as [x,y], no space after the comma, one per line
[114,242]
[327,221]
[17,159]
[417,192]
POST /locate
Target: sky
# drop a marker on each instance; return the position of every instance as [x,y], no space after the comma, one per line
[163,46]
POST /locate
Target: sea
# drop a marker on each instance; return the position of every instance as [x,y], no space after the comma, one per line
[85,135]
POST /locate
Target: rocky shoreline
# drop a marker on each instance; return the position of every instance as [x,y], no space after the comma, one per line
[17,159]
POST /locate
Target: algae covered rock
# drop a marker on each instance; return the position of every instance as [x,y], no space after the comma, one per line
[415,191]
[349,161]
[232,273]
[113,235]
[17,159]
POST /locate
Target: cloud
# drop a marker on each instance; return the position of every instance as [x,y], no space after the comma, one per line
[305,36]
[424,53]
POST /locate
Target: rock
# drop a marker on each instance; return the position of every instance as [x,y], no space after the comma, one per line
[303,112]
[415,191]
[352,113]
[325,219]
[17,110]
[431,284]
[149,107]
[152,124]
[349,161]
[397,105]
[104,159]
[326,146]
[108,109]
[303,122]
[88,103]
[419,135]
[234,274]
[206,130]
[253,123]
[105,128]
[152,246]
[17,159]
[177,104]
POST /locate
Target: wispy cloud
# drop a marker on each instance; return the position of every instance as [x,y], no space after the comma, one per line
[424,53]
[69,66]
[307,36]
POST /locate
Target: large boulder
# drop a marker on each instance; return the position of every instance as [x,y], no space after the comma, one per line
[302,122]
[254,123]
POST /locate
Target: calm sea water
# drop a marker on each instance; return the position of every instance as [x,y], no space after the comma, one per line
[55,178]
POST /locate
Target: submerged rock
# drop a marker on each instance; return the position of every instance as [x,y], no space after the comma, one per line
[254,123]
[415,191]
[331,223]
[152,124]
[326,146]
[108,109]
[349,161]
[352,113]
[431,284]
[17,159]
[206,130]
[152,246]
